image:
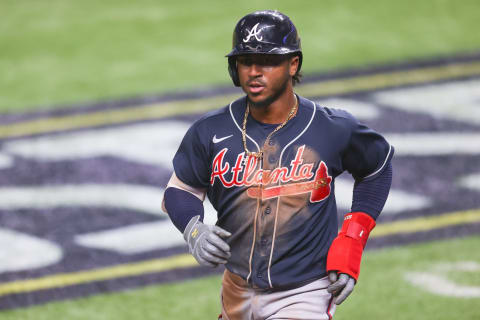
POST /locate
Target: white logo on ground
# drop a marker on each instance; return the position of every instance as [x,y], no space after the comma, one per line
[145,143]
[471,181]
[459,100]
[437,282]
[253,33]
[435,143]
[217,140]
[22,251]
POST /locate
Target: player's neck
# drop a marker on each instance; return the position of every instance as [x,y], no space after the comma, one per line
[277,111]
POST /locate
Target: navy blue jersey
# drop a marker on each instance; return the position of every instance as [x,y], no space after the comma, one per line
[280,209]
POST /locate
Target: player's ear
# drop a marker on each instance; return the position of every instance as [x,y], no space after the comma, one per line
[294,64]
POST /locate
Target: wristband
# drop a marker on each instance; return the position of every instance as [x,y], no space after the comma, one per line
[357,225]
[345,253]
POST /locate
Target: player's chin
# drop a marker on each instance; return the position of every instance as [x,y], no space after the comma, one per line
[259,99]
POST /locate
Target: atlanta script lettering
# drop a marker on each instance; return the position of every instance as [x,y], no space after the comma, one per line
[283,179]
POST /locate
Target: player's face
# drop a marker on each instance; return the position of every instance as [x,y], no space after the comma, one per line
[265,77]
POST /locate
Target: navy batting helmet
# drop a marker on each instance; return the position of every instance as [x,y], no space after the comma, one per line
[263,32]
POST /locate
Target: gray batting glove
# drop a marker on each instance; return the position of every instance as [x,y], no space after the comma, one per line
[206,244]
[341,286]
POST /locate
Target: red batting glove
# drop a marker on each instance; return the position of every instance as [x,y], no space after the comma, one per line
[345,253]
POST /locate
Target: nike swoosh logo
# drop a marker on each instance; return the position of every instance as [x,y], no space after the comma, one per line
[215,140]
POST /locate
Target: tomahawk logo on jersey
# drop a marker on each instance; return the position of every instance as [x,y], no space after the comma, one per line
[266,203]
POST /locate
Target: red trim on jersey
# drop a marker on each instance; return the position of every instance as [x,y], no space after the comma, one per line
[330,304]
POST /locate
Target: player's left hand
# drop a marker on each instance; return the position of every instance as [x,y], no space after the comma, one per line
[341,286]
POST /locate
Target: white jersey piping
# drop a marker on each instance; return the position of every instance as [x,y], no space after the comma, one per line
[253,241]
[235,121]
[383,165]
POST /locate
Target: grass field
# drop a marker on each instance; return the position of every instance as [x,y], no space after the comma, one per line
[382,292]
[63,52]
[58,54]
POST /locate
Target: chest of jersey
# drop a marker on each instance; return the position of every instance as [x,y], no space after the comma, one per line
[300,159]
[266,179]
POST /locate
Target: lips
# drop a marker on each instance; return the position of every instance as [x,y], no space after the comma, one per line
[256,87]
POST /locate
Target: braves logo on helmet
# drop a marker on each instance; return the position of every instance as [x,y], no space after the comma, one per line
[254,33]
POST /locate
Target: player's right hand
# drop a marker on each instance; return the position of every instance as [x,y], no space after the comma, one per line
[206,243]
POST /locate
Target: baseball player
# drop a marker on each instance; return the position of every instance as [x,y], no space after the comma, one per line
[268,163]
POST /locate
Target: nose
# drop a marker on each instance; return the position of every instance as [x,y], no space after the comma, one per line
[255,70]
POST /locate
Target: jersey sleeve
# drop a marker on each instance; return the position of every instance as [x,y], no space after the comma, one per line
[367,152]
[191,162]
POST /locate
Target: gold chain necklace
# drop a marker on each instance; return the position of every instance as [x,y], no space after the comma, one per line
[244,130]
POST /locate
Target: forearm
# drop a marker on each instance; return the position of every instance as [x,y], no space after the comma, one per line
[344,256]
[182,202]
[369,196]
[182,206]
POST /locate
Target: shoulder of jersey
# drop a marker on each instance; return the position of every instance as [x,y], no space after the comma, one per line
[324,111]
[218,115]
[335,118]
[334,112]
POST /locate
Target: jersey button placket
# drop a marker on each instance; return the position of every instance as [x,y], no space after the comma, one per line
[262,255]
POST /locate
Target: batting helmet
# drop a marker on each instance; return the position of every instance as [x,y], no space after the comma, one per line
[263,32]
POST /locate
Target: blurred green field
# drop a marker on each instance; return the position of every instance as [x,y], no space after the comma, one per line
[62,52]
[58,53]
[382,292]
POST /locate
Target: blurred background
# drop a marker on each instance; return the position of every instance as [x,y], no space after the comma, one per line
[95,97]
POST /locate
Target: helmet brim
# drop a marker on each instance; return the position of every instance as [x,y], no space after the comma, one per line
[260,48]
